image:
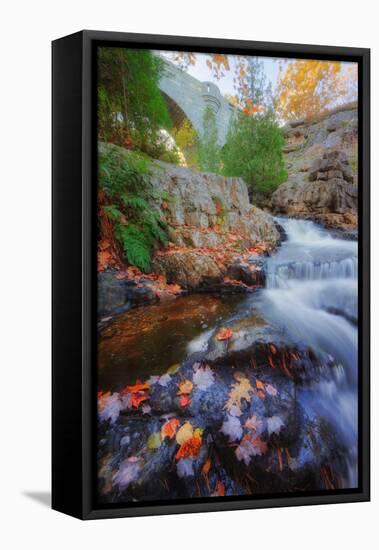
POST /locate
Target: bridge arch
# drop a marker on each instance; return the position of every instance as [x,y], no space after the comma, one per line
[188,97]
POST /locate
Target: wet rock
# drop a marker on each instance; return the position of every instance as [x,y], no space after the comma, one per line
[111,294]
[250,273]
[257,441]
[280,229]
[115,296]
[297,123]
[188,269]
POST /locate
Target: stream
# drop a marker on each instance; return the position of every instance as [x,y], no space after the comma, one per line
[311,296]
[312,293]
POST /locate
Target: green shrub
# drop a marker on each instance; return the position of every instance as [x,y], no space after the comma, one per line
[208,146]
[253,151]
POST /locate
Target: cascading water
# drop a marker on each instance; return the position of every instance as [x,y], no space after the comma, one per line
[311,294]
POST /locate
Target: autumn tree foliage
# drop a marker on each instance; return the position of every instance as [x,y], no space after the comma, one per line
[186,139]
[219,64]
[309,87]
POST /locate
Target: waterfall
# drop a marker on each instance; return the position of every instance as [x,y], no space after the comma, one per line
[312,295]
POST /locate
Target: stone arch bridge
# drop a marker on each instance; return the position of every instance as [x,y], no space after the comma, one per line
[188,98]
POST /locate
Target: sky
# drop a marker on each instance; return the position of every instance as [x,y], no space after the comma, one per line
[225,83]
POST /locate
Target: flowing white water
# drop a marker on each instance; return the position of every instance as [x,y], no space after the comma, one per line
[311,293]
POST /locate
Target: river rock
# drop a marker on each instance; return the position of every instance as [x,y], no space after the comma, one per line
[264,436]
[251,272]
[115,296]
[189,269]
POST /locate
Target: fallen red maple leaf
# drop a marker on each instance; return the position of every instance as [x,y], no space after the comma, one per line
[184,400]
[224,334]
[170,428]
[191,447]
[138,397]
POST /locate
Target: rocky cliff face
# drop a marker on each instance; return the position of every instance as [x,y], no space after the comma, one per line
[322,166]
[211,223]
[216,239]
[202,208]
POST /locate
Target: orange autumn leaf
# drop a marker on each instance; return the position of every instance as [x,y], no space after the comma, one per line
[174,288]
[138,398]
[170,428]
[220,490]
[184,400]
[191,447]
[224,334]
[137,387]
[104,259]
[104,244]
[207,466]
[102,394]
[259,385]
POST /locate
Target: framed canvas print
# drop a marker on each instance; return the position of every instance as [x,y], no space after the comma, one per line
[210,274]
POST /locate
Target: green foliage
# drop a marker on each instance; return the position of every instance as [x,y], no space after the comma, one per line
[254,151]
[187,140]
[121,171]
[131,109]
[208,147]
[260,89]
[125,179]
[136,245]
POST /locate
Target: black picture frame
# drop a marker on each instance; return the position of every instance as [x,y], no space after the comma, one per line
[74,270]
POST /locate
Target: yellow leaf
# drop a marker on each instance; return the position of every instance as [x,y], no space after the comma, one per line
[154,441]
[184,433]
[185,387]
[240,390]
[173,369]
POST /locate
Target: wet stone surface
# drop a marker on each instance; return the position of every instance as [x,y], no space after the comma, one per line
[252,434]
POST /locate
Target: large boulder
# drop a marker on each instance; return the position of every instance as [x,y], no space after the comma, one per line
[115,295]
[226,416]
[329,190]
[189,269]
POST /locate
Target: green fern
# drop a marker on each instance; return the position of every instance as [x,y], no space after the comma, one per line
[135,202]
[125,178]
[136,245]
[113,212]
